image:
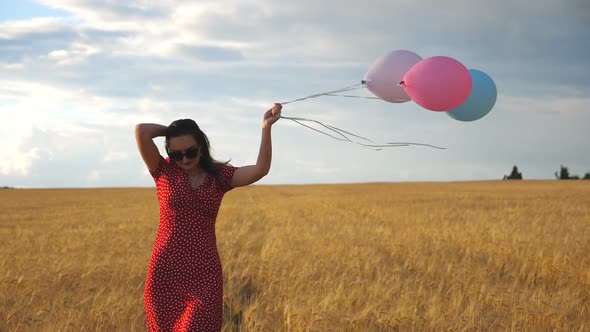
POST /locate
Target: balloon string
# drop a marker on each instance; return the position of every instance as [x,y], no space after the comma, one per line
[350,96]
[348,88]
[362,85]
[342,133]
[376,147]
[397,100]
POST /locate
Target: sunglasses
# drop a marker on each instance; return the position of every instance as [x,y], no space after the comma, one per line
[190,153]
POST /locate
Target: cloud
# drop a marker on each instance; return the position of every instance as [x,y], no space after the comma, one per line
[20,41]
[77,161]
[94,11]
[76,53]
[209,53]
[186,41]
[58,118]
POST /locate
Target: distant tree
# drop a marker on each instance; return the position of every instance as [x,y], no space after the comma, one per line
[564,174]
[586,176]
[514,175]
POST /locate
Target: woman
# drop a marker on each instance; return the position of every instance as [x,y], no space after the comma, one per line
[184,286]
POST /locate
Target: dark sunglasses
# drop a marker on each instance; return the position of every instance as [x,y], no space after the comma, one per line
[190,153]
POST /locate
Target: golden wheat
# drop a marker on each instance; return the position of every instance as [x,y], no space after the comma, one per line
[496,255]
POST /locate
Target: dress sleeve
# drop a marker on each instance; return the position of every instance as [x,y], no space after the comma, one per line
[160,168]
[226,174]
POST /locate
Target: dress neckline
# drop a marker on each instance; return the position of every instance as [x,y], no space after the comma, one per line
[188,181]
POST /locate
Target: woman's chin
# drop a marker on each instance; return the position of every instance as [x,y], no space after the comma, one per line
[188,166]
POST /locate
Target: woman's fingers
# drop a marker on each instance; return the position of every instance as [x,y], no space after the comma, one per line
[276,109]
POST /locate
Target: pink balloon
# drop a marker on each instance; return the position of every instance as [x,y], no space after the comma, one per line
[383,76]
[438,83]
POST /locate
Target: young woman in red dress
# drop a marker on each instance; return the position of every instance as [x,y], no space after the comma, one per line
[184,286]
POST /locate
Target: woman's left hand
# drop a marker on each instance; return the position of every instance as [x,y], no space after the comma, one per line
[272,115]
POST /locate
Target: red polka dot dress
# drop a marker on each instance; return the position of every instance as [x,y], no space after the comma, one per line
[184,286]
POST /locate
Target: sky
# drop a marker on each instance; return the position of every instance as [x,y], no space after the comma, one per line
[76,76]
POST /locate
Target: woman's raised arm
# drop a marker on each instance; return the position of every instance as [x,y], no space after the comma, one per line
[246,175]
[144,135]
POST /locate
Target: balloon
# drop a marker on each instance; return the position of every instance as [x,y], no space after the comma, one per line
[384,74]
[438,83]
[481,100]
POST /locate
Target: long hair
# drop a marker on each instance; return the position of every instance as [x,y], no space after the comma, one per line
[189,127]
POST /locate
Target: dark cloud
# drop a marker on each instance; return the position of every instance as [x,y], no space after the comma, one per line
[29,45]
[209,53]
[32,44]
[546,42]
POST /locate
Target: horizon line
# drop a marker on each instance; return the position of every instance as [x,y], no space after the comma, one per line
[301,184]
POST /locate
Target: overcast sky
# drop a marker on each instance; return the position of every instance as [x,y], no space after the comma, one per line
[77,75]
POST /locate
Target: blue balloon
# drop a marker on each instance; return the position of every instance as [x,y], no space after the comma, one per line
[481,100]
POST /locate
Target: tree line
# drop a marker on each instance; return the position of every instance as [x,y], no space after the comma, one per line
[562,174]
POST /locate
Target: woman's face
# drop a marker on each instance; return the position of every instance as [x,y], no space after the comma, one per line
[186,145]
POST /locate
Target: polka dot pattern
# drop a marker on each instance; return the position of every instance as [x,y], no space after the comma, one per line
[184,286]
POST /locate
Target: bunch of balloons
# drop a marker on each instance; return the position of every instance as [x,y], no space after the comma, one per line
[438,83]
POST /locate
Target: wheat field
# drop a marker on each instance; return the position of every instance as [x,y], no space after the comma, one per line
[470,256]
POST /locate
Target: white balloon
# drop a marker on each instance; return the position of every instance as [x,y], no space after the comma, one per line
[387,71]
